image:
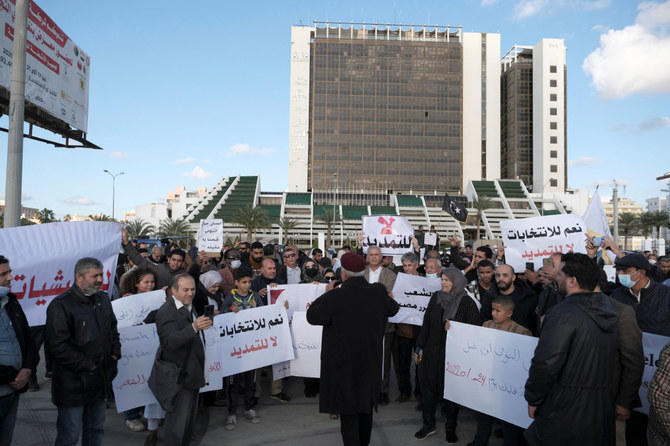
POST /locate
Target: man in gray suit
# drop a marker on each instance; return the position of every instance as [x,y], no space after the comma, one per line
[376,273]
[182,341]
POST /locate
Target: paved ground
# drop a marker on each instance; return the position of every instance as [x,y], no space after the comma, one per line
[281,424]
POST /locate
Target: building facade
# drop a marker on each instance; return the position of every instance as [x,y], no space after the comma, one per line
[393,108]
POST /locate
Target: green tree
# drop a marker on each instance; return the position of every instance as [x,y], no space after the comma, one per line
[647,223]
[169,227]
[660,220]
[330,218]
[483,203]
[26,222]
[251,219]
[628,224]
[45,216]
[139,228]
[100,217]
[67,217]
[286,225]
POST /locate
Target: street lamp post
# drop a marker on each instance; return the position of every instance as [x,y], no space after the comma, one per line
[113,188]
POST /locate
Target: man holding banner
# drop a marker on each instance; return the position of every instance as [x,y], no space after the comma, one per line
[354,317]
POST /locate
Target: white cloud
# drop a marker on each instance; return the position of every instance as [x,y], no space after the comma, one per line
[654,123]
[246,149]
[490,2]
[189,160]
[528,8]
[633,59]
[119,155]
[79,200]
[584,161]
[198,173]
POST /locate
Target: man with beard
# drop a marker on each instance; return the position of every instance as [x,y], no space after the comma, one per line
[166,271]
[256,258]
[83,342]
[569,386]
[525,299]
[469,268]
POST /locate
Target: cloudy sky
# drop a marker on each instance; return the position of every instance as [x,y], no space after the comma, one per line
[184,93]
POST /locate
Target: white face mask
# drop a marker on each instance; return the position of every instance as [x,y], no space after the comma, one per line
[235,264]
[652,262]
[431,275]
[4,291]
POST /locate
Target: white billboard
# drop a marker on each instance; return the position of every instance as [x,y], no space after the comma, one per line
[57,70]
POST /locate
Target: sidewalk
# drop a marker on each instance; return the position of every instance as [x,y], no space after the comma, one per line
[281,424]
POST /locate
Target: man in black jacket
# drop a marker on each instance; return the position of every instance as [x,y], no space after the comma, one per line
[83,341]
[16,367]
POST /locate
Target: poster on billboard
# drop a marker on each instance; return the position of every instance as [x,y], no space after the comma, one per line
[57,70]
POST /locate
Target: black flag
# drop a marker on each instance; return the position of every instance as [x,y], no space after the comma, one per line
[454,208]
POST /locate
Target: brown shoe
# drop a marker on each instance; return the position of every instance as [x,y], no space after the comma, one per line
[152,439]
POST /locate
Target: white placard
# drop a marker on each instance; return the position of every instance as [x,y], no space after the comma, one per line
[42,258]
[430,239]
[252,338]
[413,294]
[536,238]
[652,345]
[132,310]
[57,70]
[299,296]
[138,350]
[307,347]
[610,271]
[486,370]
[210,235]
[392,233]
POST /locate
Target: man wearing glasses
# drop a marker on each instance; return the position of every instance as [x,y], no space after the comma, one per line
[289,271]
[232,261]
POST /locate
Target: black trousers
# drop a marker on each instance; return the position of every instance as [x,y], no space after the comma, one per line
[356,429]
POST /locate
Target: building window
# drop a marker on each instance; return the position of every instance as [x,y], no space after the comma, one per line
[553,111]
[553,168]
[553,125]
[553,182]
[552,68]
[553,154]
[553,139]
[553,83]
[553,97]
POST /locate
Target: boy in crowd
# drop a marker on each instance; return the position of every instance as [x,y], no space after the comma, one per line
[503,308]
[241,298]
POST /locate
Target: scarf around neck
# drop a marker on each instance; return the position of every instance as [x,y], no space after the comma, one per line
[451,300]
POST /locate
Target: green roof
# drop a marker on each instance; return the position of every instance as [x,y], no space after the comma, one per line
[273,210]
[512,189]
[243,195]
[487,188]
[207,208]
[382,210]
[409,201]
[299,198]
[354,212]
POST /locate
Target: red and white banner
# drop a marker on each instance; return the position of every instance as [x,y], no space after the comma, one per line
[392,233]
[57,70]
[42,259]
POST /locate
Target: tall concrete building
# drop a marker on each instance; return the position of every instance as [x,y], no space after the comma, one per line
[393,107]
[533,116]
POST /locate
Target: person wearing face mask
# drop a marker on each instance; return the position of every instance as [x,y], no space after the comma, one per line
[376,273]
[231,262]
[19,357]
[311,272]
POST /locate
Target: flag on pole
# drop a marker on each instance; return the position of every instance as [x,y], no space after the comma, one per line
[454,208]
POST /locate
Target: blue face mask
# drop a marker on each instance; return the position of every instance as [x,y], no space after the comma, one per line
[626,281]
[431,275]
[4,291]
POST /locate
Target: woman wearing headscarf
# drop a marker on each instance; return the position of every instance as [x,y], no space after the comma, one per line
[311,273]
[451,303]
[208,292]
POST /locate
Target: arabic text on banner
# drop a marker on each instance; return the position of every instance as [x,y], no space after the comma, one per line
[210,235]
[536,238]
[132,310]
[306,345]
[42,258]
[413,294]
[138,350]
[486,370]
[652,344]
[251,339]
[392,233]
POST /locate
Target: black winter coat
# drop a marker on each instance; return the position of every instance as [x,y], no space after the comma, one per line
[432,340]
[354,318]
[570,377]
[29,352]
[81,337]
[653,311]
[525,302]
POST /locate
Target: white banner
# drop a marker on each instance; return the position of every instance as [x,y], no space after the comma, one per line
[42,258]
[132,310]
[413,294]
[392,233]
[57,70]
[253,338]
[652,345]
[430,239]
[138,350]
[210,235]
[536,238]
[486,370]
[299,296]
[306,346]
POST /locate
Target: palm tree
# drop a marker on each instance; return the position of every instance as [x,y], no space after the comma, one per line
[67,217]
[100,217]
[483,203]
[251,219]
[168,227]
[286,225]
[628,223]
[139,228]
[647,223]
[45,216]
[660,219]
[330,218]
